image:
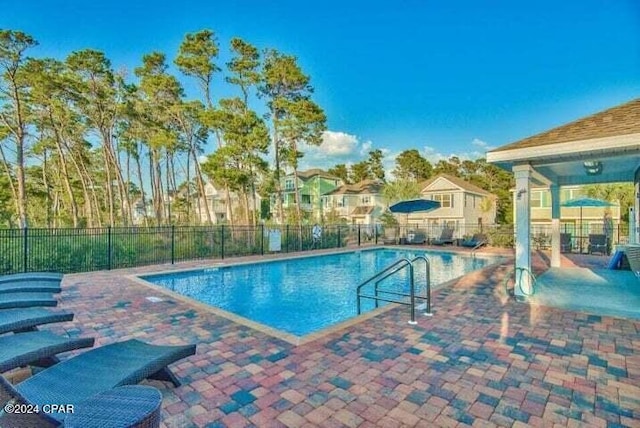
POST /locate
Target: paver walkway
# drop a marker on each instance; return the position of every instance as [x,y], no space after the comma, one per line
[481,360]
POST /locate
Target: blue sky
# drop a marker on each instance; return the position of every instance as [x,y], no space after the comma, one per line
[444,77]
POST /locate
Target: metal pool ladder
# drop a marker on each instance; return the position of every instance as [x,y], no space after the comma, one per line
[391,270]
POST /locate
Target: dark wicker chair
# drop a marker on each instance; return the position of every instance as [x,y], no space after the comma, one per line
[26,300]
[598,244]
[37,348]
[416,237]
[28,319]
[93,372]
[566,244]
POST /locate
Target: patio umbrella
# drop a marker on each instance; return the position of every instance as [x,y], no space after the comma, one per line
[585,202]
[414,206]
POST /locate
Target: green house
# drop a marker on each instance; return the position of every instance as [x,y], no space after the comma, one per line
[312,184]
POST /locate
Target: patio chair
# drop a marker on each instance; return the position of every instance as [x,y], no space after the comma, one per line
[28,319]
[93,372]
[477,240]
[36,348]
[416,237]
[446,237]
[566,245]
[26,300]
[598,244]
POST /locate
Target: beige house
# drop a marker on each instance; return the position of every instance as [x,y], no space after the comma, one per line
[216,199]
[463,205]
[570,217]
[360,203]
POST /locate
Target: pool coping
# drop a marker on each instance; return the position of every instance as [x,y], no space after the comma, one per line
[282,335]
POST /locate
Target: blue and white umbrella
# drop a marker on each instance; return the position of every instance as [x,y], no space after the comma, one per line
[585,202]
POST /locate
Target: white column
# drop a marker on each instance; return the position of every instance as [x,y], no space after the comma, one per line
[555,225]
[523,229]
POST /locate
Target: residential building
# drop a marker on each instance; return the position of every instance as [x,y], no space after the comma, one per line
[360,203]
[312,184]
[217,203]
[571,218]
[463,205]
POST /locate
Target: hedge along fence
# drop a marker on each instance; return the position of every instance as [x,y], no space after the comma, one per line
[70,250]
[82,250]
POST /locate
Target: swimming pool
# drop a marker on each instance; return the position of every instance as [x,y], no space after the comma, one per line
[307,294]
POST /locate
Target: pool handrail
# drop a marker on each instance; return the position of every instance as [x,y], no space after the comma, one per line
[390,270]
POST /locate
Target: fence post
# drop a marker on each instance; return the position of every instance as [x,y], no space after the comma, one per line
[222,241]
[173,244]
[375,231]
[358,235]
[262,240]
[286,239]
[339,241]
[108,247]
[25,251]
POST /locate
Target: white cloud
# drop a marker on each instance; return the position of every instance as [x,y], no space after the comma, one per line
[336,147]
[477,150]
[337,143]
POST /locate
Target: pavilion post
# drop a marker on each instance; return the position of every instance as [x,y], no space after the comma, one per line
[523,230]
[555,225]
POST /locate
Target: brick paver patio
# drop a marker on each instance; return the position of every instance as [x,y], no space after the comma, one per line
[481,360]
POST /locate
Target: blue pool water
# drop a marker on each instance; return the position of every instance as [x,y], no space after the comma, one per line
[303,295]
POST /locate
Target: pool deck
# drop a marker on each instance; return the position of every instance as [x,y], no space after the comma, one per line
[481,360]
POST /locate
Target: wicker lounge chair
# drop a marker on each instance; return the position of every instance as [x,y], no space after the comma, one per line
[92,372]
[446,237]
[28,319]
[53,277]
[416,237]
[26,300]
[36,348]
[477,240]
[29,286]
[46,282]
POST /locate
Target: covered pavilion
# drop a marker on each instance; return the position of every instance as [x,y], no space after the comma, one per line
[601,148]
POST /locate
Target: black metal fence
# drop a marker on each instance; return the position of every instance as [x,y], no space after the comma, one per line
[83,250]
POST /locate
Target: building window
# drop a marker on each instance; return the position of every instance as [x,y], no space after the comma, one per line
[366,200]
[536,199]
[306,199]
[288,184]
[445,199]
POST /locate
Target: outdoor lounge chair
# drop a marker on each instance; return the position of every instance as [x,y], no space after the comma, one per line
[565,243]
[53,277]
[26,300]
[416,237]
[446,237]
[28,319]
[598,243]
[29,286]
[37,348]
[47,282]
[92,372]
[477,240]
